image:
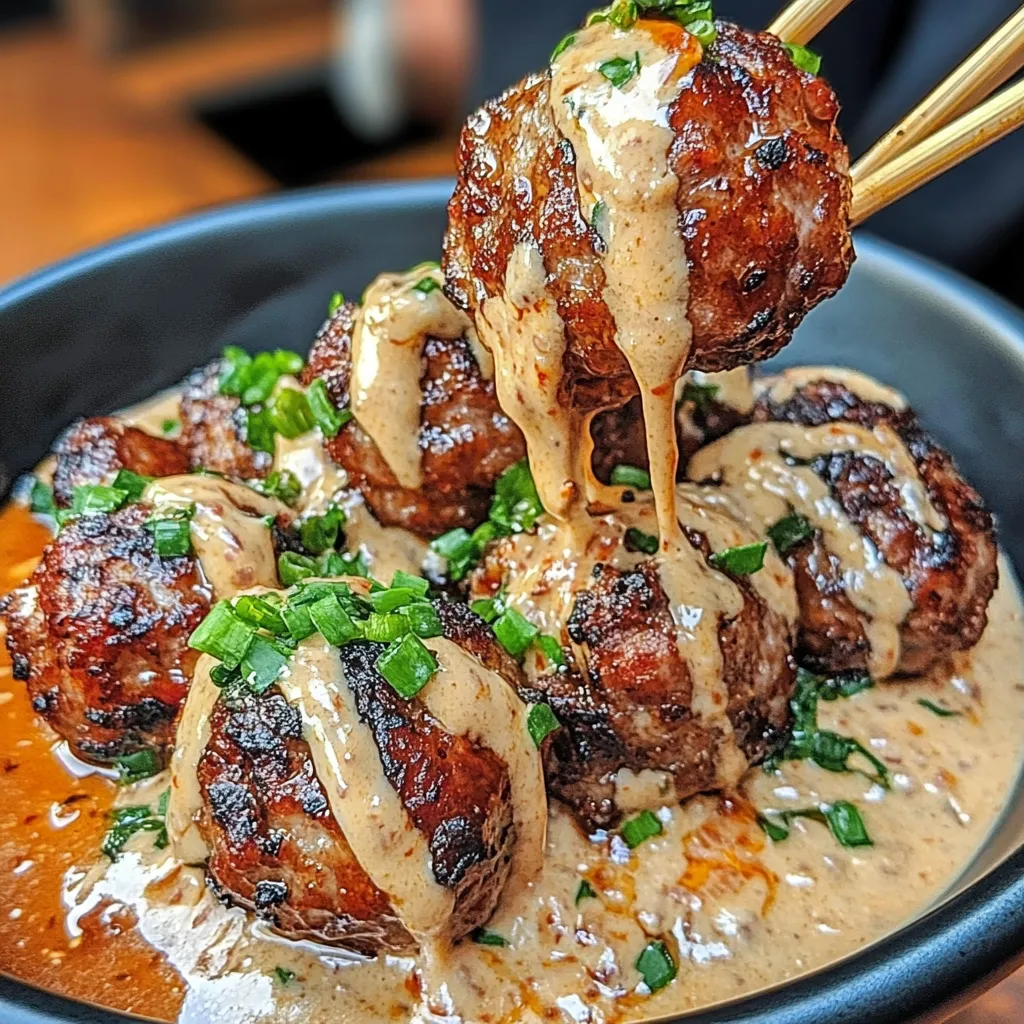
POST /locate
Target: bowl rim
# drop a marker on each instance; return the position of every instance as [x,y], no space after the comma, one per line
[924,970]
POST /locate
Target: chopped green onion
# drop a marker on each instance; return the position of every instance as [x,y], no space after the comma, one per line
[453,543]
[283,485]
[385,628]
[297,618]
[141,765]
[172,537]
[126,822]
[263,663]
[406,581]
[775,832]
[656,965]
[631,476]
[704,30]
[639,829]
[290,413]
[337,300]
[585,891]
[637,540]
[742,560]
[488,609]
[223,635]
[41,499]
[541,722]
[514,632]
[564,45]
[131,483]
[844,685]
[599,218]
[623,14]
[392,599]
[292,568]
[620,71]
[846,824]
[516,506]
[169,426]
[790,531]
[407,665]
[283,974]
[482,937]
[937,709]
[334,623]
[423,620]
[425,286]
[804,59]
[90,499]
[262,614]
[328,418]
[319,533]
[701,395]
[259,431]
[550,648]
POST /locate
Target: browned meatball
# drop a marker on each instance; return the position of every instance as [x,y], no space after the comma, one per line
[278,850]
[763,206]
[92,451]
[99,632]
[213,428]
[624,699]
[466,440]
[950,574]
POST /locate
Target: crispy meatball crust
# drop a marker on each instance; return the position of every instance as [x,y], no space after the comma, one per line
[100,633]
[213,428]
[277,848]
[467,441]
[950,575]
[763,203]
[92,451]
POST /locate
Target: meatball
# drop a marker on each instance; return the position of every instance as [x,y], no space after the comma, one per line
[213,428]
[100,633]
[626,697]
[947,568]
[466,439]
[276,847]
[762,201]
[92,451]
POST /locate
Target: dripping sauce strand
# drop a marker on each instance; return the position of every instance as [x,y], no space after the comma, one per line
[51,821]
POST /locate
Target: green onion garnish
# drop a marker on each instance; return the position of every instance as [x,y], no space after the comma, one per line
[564,45]
[298,620]
[585,891]
[169,427]
[320,533]
[131,483]
[656,965]
[223,635]
[41,498]
[937,709]
[631,476]
[701,395]
[406,581]
[482,937]
[804,59]
[292,568]
[126,822]
[541,722]
[263,663]
[91,499]
[641,828]
[328,418]
[423,620]
[425,286]
[334,623]
[261,614]
[407,665]
[514,632]
[550,648]
[283,974]
[290,414]
[742,560]
[488,609]
[637,540]
[620,71]
[141,765]
[790,531]
[704,30]
[337,300]
[172,537]
[283,485]
[841,817]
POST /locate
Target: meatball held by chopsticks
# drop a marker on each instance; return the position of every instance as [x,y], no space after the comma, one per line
[759,199]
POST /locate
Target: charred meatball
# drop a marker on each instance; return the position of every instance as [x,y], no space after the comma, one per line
[763,208]
[213,428]
[466,439]
[949,570]
[276,847]
[100,633]
[625,699]
[92,451]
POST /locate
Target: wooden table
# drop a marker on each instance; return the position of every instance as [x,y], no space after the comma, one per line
[89,155]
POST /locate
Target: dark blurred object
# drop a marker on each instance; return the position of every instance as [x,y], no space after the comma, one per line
[882,56]
[14,11]
[114,26]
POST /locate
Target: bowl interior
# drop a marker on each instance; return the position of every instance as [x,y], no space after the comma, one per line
[111,327]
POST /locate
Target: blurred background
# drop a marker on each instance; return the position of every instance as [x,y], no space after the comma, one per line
[118,114]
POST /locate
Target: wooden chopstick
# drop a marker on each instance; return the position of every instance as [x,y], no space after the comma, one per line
[996,60]
[802,20]
[967,135]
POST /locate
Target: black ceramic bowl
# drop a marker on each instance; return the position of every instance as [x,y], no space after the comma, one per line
[109,328]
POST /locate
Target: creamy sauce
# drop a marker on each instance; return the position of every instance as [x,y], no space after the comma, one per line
[390,331]
[784,386]
[756,466]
